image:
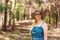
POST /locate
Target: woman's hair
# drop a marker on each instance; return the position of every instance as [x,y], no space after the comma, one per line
[40,12]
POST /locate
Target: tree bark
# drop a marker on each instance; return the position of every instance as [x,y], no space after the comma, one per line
[10,18]
[5,16]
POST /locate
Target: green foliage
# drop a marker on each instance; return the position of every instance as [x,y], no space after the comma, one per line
[19,11]
[46,19]
[1,8]
[17,14]
[39,2]
[22,14]
[52,18]
[53,14]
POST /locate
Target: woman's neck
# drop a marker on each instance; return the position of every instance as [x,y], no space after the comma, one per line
[38,21]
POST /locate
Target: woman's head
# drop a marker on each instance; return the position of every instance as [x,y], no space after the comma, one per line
[38,14]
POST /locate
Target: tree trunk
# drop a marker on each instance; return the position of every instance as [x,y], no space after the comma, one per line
[56,20]
[5,16]
[49,18]
[13,23]
[10,18]
[14,15]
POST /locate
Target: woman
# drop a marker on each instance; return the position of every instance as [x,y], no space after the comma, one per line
[39,30]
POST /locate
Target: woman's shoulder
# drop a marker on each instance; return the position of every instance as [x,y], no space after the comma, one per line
[44,25]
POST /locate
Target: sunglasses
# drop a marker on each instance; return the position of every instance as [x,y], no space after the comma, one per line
[37,14]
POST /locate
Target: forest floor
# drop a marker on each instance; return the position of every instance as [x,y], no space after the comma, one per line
[22,32]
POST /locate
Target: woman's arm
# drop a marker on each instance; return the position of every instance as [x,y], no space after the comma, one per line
[45,31]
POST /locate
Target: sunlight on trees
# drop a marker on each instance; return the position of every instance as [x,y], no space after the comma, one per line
[13,12]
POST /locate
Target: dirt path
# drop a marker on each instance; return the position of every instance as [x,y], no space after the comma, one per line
[22,33]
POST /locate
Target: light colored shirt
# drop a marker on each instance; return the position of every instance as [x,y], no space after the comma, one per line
[44,26]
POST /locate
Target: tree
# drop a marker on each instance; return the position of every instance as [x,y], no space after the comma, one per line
[10,6]
[5,16]
[39,2]
[14,15]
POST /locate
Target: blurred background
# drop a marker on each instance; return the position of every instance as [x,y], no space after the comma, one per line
[16,19]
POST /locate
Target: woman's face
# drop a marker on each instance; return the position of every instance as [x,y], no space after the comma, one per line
[37,16]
